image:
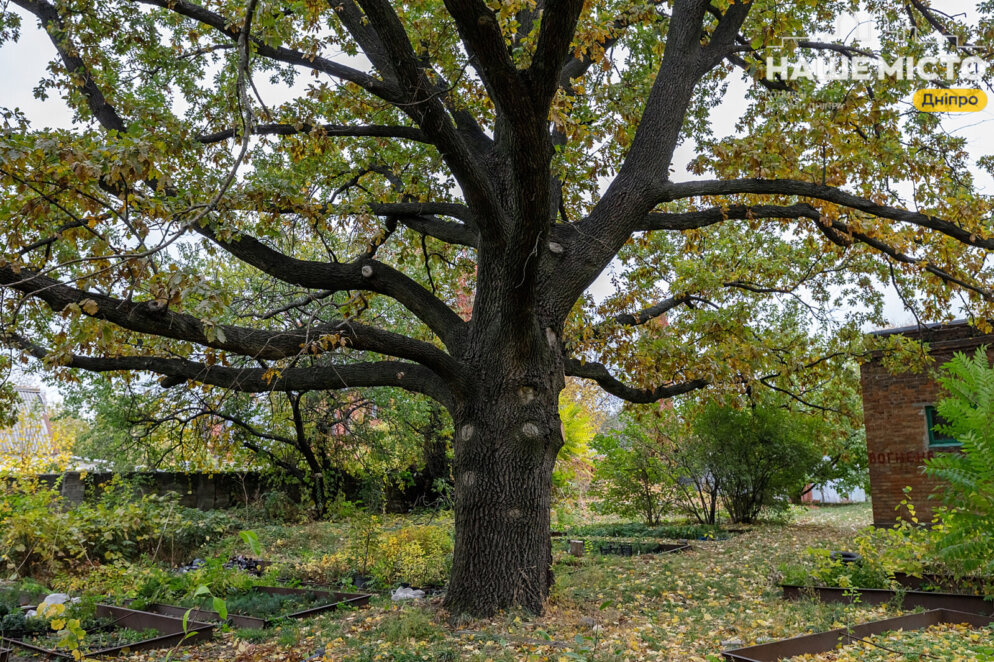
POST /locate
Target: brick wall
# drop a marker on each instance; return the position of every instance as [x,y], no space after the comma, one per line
[896,428]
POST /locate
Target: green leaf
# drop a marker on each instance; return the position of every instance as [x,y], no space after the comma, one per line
[252,540]
[221,607]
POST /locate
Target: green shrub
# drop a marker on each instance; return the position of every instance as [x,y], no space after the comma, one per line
[905,548]
[42,536]
[278,507]
[419,555]
[760,456]
[965,540]
[630,478]
[867,573]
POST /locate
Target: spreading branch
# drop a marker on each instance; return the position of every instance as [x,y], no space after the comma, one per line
[400,374]
[154,318]
[332,130]
[600,374]
[682,190]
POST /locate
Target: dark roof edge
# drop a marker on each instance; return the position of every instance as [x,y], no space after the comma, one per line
[915,328]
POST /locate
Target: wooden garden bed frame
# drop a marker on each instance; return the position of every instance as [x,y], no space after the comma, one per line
[171,629]
[635,548]
[822,642]
[335,600]
[962,602]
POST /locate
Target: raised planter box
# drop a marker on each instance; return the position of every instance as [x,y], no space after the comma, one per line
[635,549]
[822,642]
[335,600]
[948,583]
[170,629]
[973,604]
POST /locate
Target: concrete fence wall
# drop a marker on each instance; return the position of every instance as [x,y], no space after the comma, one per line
[196,490]
[227,489]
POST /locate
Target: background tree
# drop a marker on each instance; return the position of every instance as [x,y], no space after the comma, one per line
[632,478]
[746,454]
[583,410]
[325,442]
[759,454]
[518,147]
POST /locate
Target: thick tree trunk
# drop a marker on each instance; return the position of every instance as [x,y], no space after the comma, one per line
[505,451]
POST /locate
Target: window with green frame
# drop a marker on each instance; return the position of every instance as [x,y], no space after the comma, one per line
[937,439]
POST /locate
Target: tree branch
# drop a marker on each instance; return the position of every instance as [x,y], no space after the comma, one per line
[693,220]
[484,42]
[155,319]
[676,191]
[599,373]
[76,68]
[652,312]
[839,233]
[229,28]
[578,66]
[334,130]
[556,33]
[450,233]
[723,39]
[836,232]
[363,274]
[597,238]
[382,279]
[409,376]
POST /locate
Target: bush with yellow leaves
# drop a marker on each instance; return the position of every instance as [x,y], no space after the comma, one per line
[419,555]
[416,555]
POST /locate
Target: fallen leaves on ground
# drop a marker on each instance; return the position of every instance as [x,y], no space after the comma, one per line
[686,606]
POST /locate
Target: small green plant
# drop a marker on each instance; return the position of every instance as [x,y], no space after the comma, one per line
[215,603]
[251,539]
[795,574]
[409,624]
[835,572]
[42,537]
[362,541]
[253,635]
[271,605]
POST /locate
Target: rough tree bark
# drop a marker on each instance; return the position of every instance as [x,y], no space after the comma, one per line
[507,436]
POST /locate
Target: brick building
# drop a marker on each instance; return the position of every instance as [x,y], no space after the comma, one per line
[899,414]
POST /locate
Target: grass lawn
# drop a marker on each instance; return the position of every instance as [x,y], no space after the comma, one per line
[667,607]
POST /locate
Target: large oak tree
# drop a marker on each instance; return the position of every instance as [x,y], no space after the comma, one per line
[300,195]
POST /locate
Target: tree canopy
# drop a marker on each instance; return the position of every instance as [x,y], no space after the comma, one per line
[298,196]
